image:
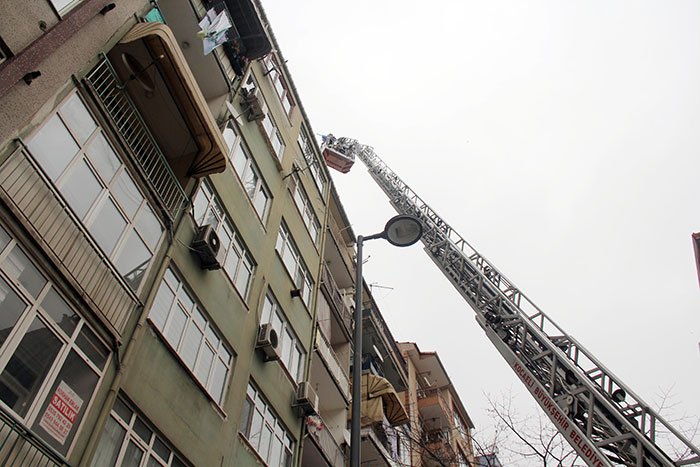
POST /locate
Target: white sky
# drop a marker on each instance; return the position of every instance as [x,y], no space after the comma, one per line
[559,138]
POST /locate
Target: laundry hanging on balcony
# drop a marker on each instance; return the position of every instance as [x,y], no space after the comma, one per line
[214,28]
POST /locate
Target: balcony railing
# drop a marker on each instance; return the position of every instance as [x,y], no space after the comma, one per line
[334,367]
[336,298]
[27,191]
[22,448]
[326,442]
[128,122]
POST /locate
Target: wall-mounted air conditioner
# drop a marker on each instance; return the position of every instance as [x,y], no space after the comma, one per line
[306,400]
[207,246]
[268,342]
[251,105]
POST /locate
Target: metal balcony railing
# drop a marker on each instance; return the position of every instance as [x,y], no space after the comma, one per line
[336,297]
[22,448]
[334,367]
[128,122]
[327,443]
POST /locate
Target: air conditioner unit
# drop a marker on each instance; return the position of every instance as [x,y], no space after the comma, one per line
[268,342]
[207,246]
[306,400]
[251,105]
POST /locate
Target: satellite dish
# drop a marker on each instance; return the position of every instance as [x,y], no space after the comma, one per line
[137,72]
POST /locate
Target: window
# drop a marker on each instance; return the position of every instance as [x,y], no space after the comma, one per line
[237,262]
[50,359]
[280,84]
[247,172]
[292,354]
[129,440]
[75,154]
[301,199]
[64,6]
[5,52]
[268,123]
[264,431]
[191,335]
[312,162]
[295,265]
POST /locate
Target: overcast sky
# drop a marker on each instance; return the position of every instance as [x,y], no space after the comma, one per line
[559,138]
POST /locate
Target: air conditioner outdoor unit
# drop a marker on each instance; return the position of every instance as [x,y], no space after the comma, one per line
[268,342]
[207,245]
[306,400]
[251,105]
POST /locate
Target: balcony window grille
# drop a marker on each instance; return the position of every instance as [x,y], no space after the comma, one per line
[292,354]
[264,431]
[248,173]
[238,263]
[191,335]
[129,439]
[295,265]
[77,156]
[47,350]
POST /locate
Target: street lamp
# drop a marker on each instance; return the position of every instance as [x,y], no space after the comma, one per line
[401,230]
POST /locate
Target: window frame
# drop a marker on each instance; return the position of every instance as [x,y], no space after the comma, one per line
[238,147]
[301,276]
[312,162]
[34,311]
[107,196]
[276,77]
[268,126]
[284,328]
[192,311]
[306,210]
[254,402]
[225,226]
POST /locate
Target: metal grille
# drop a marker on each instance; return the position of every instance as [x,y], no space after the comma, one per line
[20,447]
[129,124]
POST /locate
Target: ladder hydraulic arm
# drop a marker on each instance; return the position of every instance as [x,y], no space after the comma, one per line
[603,420]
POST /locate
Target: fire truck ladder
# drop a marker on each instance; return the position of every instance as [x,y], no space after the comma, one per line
[602,419]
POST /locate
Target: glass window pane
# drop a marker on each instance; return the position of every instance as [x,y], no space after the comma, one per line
[81,189]
[275,452]
[110,444]
[250,181]
[240,159]
[178,318]
[107,227]
[161,305]
[229,136]
[191,345]
[127,194]
[12,306]
[133,260]
[18,266]
[91,345]
[142,430]
[133,455]
[25,372]
[242,280]
[212,338]
[216,388]
[206,356]
[53,147]
[264,448]
[200,207]
[245,417]
[121,409]
[57,308]
[231,264]
[177,463]
[153,462]
[4,239]
[260,202]
[74,385]
[161,449]
[255,429]
[149,228]
[103,157]
[78,118]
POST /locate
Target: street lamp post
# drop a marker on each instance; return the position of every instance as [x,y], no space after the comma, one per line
[401,230]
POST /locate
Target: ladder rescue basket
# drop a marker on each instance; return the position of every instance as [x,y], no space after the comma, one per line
[337,160]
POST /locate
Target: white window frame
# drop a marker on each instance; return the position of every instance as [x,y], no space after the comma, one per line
[279,83]
[240,156]
[237,262]
[300,274]
[136,428]
[107,198]
[63,7]
[292,353]
[256,407]
[306,210]
[312,162]
[14,275]
[164,315]
[270,128]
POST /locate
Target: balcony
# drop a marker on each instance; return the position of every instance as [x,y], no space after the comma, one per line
[325,445]
[334,366]
[376,448]
[20,447]
[336,299]
[433,406]
[32,197]
[438,450]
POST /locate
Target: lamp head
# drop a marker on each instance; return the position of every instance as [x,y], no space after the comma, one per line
[403,230]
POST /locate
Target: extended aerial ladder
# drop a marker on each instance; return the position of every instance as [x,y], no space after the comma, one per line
[603,420]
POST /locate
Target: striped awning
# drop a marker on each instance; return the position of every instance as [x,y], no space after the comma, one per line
[379,400]
[160,39]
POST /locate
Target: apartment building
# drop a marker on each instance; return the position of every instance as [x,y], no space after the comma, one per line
[439,422]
